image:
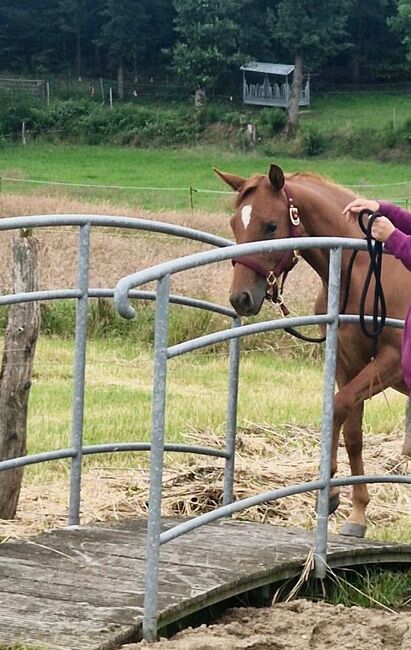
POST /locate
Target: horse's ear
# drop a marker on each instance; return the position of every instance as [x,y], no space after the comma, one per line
[276,177]
[236,182]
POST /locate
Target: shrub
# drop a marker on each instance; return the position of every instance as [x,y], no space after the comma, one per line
[14,109]
[271,121]
[313,142]
[405,132]
[357,142]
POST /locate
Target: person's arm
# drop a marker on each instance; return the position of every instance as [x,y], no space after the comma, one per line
[398,216]
[399,244]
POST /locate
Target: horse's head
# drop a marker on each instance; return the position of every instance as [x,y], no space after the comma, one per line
[264,210]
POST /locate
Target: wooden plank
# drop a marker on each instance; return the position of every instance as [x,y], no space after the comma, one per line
[82,588]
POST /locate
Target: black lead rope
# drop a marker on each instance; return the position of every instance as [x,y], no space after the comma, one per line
[379,311]
[379,308]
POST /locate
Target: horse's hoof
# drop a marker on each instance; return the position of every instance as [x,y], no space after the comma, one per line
[351,529]
[333,504]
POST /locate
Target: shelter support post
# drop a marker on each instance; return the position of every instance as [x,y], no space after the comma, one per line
[157,459]
[233,377]
[79,373]
[334,282]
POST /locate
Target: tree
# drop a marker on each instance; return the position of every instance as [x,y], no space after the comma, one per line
[76,17]
[311,32]
[208,41]
[401,23]
[125,34]
[368,33]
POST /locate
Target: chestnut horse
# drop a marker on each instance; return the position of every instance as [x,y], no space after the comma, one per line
[270,207]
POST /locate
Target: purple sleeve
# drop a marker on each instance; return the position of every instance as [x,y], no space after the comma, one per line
[399,217]
[399,244]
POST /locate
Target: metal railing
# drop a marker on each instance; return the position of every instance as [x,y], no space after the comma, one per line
[161,273]
[81,294]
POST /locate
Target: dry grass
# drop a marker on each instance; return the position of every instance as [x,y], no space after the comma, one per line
[266,459]
[118,253]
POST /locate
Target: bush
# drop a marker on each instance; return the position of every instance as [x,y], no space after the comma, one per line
[61,116]
[271,121]
[313,142]
[405,132]
[359,143]
[14,109]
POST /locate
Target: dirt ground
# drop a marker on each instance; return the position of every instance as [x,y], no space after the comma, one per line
[299,625]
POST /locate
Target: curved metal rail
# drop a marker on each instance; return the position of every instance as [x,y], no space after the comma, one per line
[81,294]
[124,291]
[161,273]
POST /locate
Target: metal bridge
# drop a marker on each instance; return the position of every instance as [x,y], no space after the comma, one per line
[121,585]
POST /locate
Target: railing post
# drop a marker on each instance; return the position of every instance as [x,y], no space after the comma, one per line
[328,412]
[79,374]
[233,376]
[157,459]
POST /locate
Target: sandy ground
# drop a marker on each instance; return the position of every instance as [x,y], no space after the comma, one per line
[299,625]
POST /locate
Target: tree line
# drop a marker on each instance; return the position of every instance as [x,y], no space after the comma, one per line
[92,37]
[202,42]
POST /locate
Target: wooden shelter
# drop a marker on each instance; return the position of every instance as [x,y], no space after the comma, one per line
[269,84]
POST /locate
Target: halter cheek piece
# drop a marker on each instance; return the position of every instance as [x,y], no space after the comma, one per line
[284,265]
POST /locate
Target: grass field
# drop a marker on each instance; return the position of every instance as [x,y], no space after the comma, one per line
[362,110]
[118,395]
[176,168]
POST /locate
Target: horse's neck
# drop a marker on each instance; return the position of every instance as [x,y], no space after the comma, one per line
[320,210]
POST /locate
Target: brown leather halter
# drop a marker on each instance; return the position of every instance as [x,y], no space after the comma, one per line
[284,265]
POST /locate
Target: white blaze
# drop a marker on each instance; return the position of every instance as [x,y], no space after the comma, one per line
[246,214]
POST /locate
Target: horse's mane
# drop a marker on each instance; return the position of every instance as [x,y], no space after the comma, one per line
[318,179]
[311,178]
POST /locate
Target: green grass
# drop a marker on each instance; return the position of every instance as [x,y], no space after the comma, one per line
[362,110]
[369,587]
[163,168]
[118,394]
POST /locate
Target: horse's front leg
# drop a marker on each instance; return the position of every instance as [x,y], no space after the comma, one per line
[355,526]
[348,409]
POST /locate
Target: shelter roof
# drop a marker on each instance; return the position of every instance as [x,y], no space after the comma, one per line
[268,68]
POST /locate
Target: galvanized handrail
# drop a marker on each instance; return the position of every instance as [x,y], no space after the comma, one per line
[108,221]
[81,294]
[122,293]
[209,257]
[161,273]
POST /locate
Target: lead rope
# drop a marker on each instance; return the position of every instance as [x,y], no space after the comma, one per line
[379,308]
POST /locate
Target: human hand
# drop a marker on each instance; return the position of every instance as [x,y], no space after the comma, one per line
[353,209]
[382,228]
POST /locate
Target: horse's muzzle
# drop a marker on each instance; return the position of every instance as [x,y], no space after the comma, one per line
[244,303]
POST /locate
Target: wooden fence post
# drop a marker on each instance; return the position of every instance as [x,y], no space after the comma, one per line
[22,329]
[406,449]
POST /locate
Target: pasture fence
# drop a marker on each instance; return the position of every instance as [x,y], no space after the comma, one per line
[401,191]
[129,287]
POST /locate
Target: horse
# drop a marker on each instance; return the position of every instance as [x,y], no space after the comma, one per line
[305,204]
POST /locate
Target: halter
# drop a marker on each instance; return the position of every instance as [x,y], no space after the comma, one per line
[284,265]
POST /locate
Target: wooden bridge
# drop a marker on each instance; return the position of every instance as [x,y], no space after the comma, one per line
[82,588]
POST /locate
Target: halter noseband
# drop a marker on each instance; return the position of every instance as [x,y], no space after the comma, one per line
[284,265]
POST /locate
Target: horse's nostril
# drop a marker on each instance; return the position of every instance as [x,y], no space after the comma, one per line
[243,303]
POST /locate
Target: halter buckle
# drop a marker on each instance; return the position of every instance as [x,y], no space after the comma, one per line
[271,279]
[294,216]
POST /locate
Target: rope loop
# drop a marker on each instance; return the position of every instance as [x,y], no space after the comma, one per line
[379,307]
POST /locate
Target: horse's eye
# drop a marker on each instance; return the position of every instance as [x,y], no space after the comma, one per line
[270,228]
